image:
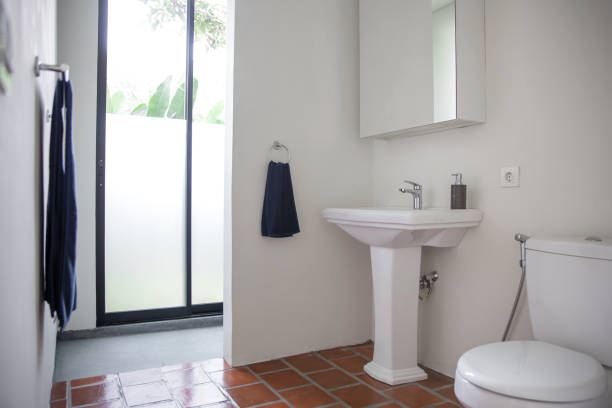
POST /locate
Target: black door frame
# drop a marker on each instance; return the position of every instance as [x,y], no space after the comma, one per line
[104,318]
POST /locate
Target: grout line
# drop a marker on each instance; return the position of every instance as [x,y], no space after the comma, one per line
[268,372]
[262,405]
[364,383]
[207,379]
[312,382]
[122,394]
[434,392]
[280,397]
[225,394]
[388,388]
[380,404]
[342,387]
[293,388]
[348,349]
[183,386]
[337,358]
[221,390]
[439,404]
[383,390]
[362,355]
[319,371]
[108,380]
[233,387]
[208,375]
[121,398]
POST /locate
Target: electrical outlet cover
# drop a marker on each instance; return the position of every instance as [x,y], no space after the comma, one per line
[509,177]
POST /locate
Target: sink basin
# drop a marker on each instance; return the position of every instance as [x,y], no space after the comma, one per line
[403,227]
[395,236]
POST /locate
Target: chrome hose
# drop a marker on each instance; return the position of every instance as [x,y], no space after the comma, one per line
[521,238]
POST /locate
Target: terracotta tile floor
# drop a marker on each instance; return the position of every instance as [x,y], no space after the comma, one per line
[328,378]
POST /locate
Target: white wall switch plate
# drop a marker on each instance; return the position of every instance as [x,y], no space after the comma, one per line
[509,177]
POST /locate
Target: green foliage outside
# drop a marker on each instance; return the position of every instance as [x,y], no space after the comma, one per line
[215,113]
[209,19]
[208,25]
[160,105]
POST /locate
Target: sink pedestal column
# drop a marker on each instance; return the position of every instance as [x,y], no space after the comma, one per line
[395,278]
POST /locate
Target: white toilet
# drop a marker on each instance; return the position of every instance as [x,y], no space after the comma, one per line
[569,290]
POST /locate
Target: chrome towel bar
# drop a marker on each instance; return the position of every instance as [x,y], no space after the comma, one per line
[63,69]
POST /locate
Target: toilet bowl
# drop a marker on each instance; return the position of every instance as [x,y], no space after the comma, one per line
[569,364]
[531,374]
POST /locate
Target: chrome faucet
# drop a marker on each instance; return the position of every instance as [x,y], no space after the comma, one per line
[417,193]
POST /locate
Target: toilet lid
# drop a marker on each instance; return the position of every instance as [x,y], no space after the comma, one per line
[534,370]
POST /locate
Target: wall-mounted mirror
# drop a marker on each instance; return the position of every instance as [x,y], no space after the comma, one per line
[444,67]
[422,65]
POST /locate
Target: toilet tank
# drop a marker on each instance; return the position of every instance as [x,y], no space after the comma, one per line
[569,290]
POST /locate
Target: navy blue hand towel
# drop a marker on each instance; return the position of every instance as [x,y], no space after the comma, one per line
[60,248]
[279,217]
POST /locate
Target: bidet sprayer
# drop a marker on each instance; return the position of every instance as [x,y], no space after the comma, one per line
[522,238]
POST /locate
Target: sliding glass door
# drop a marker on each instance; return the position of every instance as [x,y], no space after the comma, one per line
[160,157]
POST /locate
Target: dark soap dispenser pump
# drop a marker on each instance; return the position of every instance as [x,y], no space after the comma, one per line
[458,193]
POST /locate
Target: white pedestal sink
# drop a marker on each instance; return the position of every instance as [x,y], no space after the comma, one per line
[395,236]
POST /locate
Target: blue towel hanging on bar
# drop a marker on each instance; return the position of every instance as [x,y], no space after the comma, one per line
[279,216]
[60,249]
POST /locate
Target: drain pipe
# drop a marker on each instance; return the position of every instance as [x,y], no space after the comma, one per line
[521,238]
[427,282]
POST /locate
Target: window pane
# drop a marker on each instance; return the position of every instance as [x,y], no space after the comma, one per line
[210,61]
[145,155]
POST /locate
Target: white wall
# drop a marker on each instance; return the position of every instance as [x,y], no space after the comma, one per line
[548,103]
[27,343]
[77,39]
[296,79]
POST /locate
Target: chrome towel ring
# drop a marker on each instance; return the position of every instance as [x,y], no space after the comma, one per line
[276,145]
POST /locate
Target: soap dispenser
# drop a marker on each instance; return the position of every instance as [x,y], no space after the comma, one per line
[458,193]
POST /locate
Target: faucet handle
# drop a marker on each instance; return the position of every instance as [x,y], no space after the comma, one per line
[417,186]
